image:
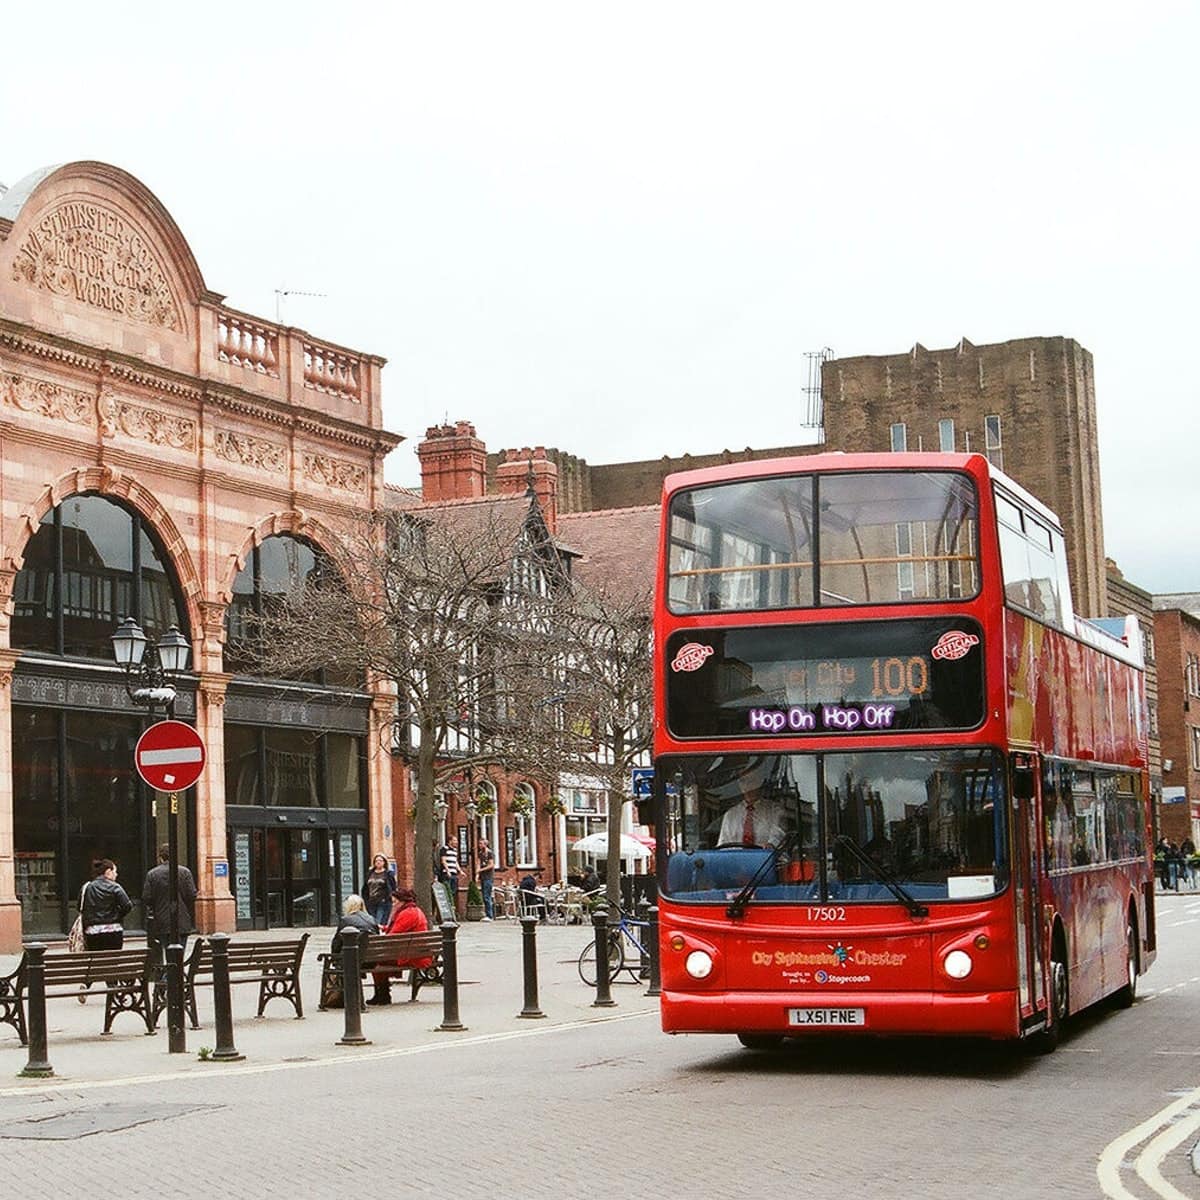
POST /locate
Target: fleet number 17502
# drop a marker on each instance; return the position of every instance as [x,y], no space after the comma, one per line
[826,914]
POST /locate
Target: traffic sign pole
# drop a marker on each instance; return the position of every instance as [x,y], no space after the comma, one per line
[170,757]
[176,1034]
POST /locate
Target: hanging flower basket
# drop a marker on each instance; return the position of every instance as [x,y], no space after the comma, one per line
[555,807]
[521,806]
[485,806]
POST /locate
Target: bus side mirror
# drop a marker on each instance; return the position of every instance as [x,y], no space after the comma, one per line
[1023,783]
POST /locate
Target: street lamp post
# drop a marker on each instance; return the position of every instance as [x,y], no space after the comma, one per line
[149,681]
[472,831]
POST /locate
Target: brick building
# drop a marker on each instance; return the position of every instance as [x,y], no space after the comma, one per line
[166,457]
[1177,641]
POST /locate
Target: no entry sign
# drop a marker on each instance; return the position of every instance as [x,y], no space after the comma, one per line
[169,756]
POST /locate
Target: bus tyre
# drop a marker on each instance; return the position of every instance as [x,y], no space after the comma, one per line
[761,1041]
[1125,996]
[1046,1041]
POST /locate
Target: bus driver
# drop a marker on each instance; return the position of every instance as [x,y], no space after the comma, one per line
[755,820]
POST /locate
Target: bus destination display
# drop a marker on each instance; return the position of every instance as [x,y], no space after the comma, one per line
[768,681]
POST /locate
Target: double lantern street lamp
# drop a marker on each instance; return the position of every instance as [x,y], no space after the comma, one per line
[149,681]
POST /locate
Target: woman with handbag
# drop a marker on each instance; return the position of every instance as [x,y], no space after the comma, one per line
[103,908]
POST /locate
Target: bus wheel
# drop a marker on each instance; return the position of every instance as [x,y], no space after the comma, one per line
[1046,1041]
[1125,996]
[761,1041]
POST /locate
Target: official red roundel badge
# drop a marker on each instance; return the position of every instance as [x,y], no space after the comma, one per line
[954,644]
[691,657]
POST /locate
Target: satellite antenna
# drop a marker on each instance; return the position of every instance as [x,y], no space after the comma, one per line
[281,292]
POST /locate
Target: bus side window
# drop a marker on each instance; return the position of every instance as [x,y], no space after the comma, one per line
[1014,552]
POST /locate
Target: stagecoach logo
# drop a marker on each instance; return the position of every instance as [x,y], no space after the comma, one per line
[954,644]
[691,657]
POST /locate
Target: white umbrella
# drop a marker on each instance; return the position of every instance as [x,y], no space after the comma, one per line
[597,843]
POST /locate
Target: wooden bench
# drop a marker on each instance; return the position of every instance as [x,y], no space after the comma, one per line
[383,950]
[273,965]
[124,977]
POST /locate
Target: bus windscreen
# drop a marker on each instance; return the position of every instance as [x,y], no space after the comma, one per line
[837,828]
[871,677]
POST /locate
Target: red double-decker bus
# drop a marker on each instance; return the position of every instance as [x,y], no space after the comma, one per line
[902,786]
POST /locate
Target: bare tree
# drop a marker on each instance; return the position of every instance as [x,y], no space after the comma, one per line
[451,607]
[603,634]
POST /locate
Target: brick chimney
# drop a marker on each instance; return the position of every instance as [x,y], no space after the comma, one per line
[522,471]
[453,463]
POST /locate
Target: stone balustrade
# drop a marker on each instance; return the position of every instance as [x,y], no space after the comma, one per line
[332,371]
[245,343]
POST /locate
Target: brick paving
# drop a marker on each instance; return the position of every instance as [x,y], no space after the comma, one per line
[491,994]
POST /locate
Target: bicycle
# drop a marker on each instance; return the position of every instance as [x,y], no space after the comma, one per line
[623,935]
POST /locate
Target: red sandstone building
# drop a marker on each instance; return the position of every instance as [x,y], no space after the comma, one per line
[166,457]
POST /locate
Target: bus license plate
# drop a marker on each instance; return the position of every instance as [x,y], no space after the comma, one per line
[827,1016]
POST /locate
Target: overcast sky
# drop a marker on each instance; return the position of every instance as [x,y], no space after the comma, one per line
[617,229]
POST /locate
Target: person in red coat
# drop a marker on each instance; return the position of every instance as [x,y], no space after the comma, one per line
[406,917]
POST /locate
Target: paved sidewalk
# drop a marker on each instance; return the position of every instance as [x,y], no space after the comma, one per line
[491,995]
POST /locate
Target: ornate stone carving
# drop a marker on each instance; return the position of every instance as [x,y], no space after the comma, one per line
[335,473]
[159,428]
[98,257]
[47,399]
[106,411]
[250,451]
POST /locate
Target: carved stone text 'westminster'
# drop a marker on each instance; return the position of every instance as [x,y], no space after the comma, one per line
[97,257]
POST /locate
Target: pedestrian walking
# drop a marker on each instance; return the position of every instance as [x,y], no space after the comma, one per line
[378,887]
[156,904]
[104,907]
[1177,865]
[1190,865]
[448,864]
[487,878]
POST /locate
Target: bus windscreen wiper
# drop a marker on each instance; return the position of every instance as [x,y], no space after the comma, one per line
[737,906]
[893,885]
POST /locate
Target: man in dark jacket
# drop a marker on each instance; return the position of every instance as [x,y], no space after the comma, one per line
[156,904]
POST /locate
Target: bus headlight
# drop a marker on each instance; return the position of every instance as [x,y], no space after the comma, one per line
[699,964]
[957,964]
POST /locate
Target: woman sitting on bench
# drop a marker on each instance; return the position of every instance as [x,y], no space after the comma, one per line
[406,917]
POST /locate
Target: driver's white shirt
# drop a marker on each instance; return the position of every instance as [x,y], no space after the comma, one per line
[769,828]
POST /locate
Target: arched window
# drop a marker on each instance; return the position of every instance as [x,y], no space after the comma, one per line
[525,820]
[90,564]
[278,567]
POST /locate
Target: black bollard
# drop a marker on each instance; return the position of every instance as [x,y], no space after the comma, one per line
[655,988]
[450,1022]
[38,1066]
[352,990]
[603,983]
[176,1034]
[529,955]
[226,1051]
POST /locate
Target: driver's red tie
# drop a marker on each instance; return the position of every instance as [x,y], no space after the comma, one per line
[748,826]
